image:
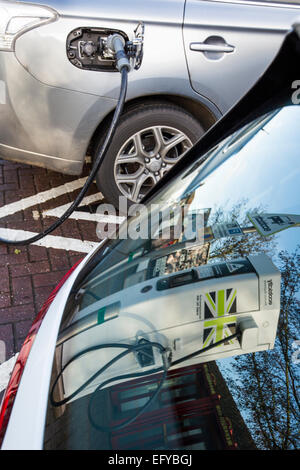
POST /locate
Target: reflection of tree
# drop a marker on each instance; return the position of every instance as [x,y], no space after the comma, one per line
[239,246]
[266,384]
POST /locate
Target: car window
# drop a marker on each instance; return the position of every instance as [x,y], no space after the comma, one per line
[220,243]
[291,2]
[284,2]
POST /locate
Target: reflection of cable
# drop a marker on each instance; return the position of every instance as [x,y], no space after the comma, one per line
[128,349]
[211,346]
[88,292]
[166,360]
[142,410]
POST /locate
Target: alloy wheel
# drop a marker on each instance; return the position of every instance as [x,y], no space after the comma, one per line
[145,157]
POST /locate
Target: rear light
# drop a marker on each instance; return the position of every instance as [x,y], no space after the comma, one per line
[14,382]
[16,18]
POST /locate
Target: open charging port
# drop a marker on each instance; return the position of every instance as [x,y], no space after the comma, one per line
[87,49]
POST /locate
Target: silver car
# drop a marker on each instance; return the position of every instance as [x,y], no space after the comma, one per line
[58,91]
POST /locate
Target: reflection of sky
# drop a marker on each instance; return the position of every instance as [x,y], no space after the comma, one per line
[265,173]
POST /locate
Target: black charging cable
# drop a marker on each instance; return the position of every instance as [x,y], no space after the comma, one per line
[166,364]
[91,177]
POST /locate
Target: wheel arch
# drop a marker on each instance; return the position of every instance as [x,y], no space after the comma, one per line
[196,108]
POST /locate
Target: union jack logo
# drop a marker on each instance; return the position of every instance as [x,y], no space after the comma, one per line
[219,323]
[219,303]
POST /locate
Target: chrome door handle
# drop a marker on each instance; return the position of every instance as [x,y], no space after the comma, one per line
[204,47]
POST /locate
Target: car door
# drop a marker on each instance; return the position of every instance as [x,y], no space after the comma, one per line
[229,45]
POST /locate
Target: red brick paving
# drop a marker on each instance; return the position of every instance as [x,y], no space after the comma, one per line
[28,276]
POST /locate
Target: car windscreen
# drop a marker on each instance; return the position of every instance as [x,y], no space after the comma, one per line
[214,257]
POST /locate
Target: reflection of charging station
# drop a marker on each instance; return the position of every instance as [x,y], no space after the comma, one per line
[195,315]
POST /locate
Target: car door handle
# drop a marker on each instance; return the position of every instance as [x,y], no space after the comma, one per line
[204,47]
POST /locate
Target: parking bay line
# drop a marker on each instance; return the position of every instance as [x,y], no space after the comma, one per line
[5,371]
[50,241]
[53,193]
[59,211]
[78,215]
[42,197]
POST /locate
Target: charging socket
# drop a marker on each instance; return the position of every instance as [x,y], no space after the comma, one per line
[249,334]
[87,49]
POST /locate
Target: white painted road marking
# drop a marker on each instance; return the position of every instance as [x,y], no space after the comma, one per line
[53,241]
[50,241]
[5,371]
[40,198]
[59,211]
[78,215]
[111,219]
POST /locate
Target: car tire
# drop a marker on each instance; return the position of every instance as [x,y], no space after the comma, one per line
[149,140]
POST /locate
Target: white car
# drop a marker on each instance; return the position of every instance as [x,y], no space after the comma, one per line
[129,351]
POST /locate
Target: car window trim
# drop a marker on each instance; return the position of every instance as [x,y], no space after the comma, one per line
[259,3]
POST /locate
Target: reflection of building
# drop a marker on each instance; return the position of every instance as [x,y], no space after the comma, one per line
[194,411]
[190,413]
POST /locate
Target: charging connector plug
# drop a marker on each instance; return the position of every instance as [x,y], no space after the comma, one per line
[116,45]
[167,358]
[144,354]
